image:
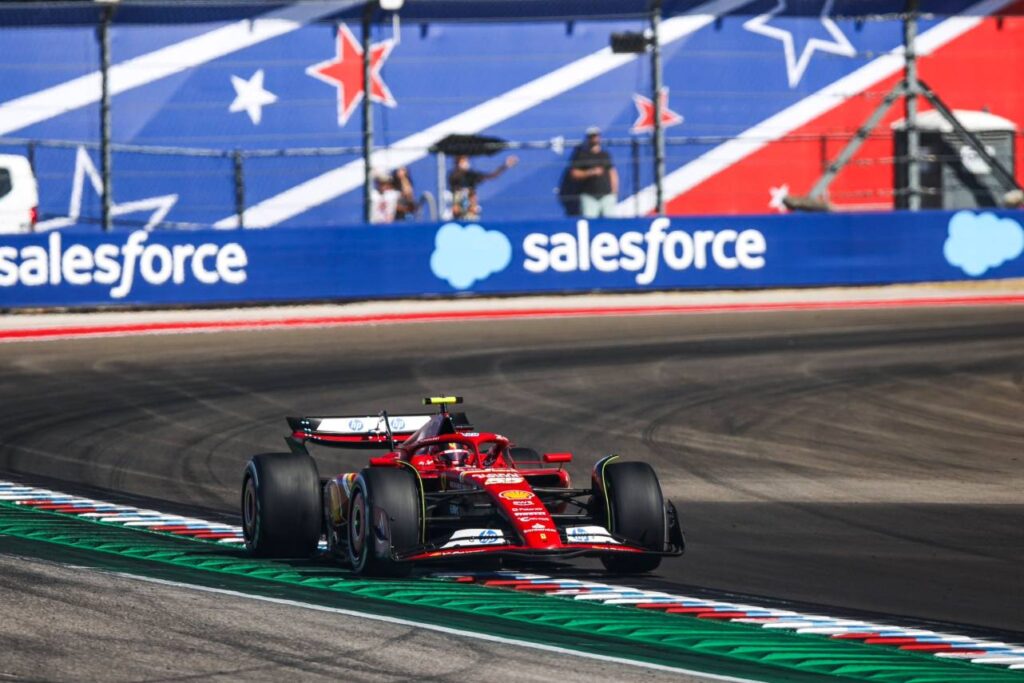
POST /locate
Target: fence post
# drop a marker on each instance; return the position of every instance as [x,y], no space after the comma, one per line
[910,107]
[371,5]
[106,16]
[634,149]
[442,185]
[659,133]
[237,160]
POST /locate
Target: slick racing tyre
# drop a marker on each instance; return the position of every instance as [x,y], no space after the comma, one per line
[385,514]
[281,505]
[634,510]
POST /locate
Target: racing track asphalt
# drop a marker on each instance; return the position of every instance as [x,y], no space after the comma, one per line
[869,460]
[80,624]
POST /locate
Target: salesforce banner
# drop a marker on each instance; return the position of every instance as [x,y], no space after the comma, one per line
[301,264]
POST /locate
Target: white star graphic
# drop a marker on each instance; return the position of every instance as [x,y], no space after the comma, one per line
[251,96]
[159,206]
[778,195]
[795,67]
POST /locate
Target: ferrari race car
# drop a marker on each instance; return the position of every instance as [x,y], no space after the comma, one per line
[445,491]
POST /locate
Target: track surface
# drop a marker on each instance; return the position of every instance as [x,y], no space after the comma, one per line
[170,633]
[870,460]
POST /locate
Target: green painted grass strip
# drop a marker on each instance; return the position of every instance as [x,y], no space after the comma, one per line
[730,648]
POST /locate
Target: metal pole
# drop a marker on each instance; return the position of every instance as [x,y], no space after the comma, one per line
[910,108]
[371,5]
[818,191]
[659,134]
[1001,173]
[634,148]
[442,185]
[236,160]
[106,170]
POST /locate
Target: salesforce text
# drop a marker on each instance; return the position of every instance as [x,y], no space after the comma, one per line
[564,252]
[111,264]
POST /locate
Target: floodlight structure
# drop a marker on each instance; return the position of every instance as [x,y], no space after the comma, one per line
[638,43]
[367,109]
[629,42]
[909,88]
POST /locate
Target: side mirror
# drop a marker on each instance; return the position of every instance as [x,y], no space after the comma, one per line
[383,460]
[557,457]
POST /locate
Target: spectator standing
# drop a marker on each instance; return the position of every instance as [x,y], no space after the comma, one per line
[569,193]
[392,197]
[463,181]
[595,175]
[407,204]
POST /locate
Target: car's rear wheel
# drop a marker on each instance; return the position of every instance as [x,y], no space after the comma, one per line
[385,514]
[281,505]
[632,507]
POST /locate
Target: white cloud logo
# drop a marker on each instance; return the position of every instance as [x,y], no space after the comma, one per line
[978,242]
[464,255]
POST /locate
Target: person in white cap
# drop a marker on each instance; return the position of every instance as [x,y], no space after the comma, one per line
[390,197]
[595,176]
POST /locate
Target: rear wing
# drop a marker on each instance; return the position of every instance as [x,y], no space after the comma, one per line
[354,431]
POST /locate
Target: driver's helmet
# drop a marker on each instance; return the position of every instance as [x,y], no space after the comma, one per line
[453,454]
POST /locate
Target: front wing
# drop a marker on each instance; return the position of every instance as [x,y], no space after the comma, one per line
[562,551]
[522,552]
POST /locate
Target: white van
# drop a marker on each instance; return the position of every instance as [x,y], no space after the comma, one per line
[19,195]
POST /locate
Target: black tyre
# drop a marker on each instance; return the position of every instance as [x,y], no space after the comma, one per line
[385,513]
[281,505]
[635,510]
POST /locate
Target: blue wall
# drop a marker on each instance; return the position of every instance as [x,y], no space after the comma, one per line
[723,80]
[207,266]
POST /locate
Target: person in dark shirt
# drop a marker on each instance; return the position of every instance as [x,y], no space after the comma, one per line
[463,181]
[407,204]
[595,176]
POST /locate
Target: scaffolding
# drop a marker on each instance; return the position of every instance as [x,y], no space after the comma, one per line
[909,89]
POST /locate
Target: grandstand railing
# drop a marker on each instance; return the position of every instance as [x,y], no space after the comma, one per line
[231,172]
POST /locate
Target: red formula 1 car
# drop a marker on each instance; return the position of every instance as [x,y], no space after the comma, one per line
[446,491]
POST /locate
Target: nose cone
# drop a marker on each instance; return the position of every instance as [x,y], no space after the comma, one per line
[528,514]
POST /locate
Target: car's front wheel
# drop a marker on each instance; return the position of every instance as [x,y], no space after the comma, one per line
[632,506]
[385,514]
